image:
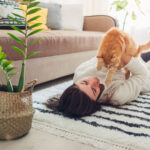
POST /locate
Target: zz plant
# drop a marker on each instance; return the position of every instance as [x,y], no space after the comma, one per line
[6,65]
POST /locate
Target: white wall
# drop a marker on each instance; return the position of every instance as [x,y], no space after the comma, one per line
[96,7]
[101,7]
[63,1]
[91,7]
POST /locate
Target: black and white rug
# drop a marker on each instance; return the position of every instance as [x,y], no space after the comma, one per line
[112,128]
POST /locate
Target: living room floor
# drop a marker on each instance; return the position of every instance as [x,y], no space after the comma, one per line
[40,140]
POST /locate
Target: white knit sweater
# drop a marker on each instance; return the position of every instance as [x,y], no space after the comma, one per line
[120,91]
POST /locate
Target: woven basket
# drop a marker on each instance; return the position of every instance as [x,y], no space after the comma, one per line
[16,113]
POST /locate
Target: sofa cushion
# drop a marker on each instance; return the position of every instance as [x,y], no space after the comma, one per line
[43,17]
[64,16]
[54,42]
[54,15]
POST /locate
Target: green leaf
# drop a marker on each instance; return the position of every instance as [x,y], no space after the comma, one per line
[124,3]
[18,9]
[23,3]
[6,63]
[133,15]
[2,62]
[33,5]
[17,29]
[34,18]
[18,15]
[33,42]
[0,49]
[15,20]
[35,25]
[118,8]
[137,2]
[34,32]
[32,53]
[18,50]
[12,74]
[116,2]
[10,68]
[17,39]
[32,11]
[26,0]
[2,56]
[120,5]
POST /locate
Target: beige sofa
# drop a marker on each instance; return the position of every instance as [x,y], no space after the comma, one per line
[60,51]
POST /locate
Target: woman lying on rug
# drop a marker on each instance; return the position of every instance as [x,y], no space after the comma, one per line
[88,92]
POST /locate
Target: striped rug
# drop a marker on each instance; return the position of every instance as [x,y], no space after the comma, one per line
[112,128]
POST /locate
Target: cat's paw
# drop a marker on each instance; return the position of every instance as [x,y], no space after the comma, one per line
[100,63]
[98,67]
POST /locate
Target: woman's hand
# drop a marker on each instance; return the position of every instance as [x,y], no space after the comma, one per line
[125,58]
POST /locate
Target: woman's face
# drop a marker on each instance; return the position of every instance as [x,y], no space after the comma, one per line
[90,86]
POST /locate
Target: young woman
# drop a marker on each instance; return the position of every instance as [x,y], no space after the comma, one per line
[89,91]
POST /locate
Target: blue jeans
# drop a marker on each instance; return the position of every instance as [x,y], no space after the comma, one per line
[146,56]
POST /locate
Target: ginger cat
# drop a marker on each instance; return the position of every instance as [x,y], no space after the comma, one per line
[113,45]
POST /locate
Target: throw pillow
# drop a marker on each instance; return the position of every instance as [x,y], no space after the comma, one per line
[43,19]
[54,15]
[64,16]
[7,7]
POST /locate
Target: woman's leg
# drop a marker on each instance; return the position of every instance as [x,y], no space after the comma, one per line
[146,56]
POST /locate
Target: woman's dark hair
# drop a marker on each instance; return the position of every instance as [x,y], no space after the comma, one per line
[75,103]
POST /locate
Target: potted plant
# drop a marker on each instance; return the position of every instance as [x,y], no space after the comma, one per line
[124,7]
[16,109]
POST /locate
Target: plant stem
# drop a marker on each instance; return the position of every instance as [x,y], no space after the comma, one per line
[9,84]
[124,21]
[26,34]
[21,79]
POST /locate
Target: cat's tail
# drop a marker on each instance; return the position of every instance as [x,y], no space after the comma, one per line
[142,48]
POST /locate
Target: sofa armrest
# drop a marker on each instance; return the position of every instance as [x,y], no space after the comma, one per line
[100,23]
